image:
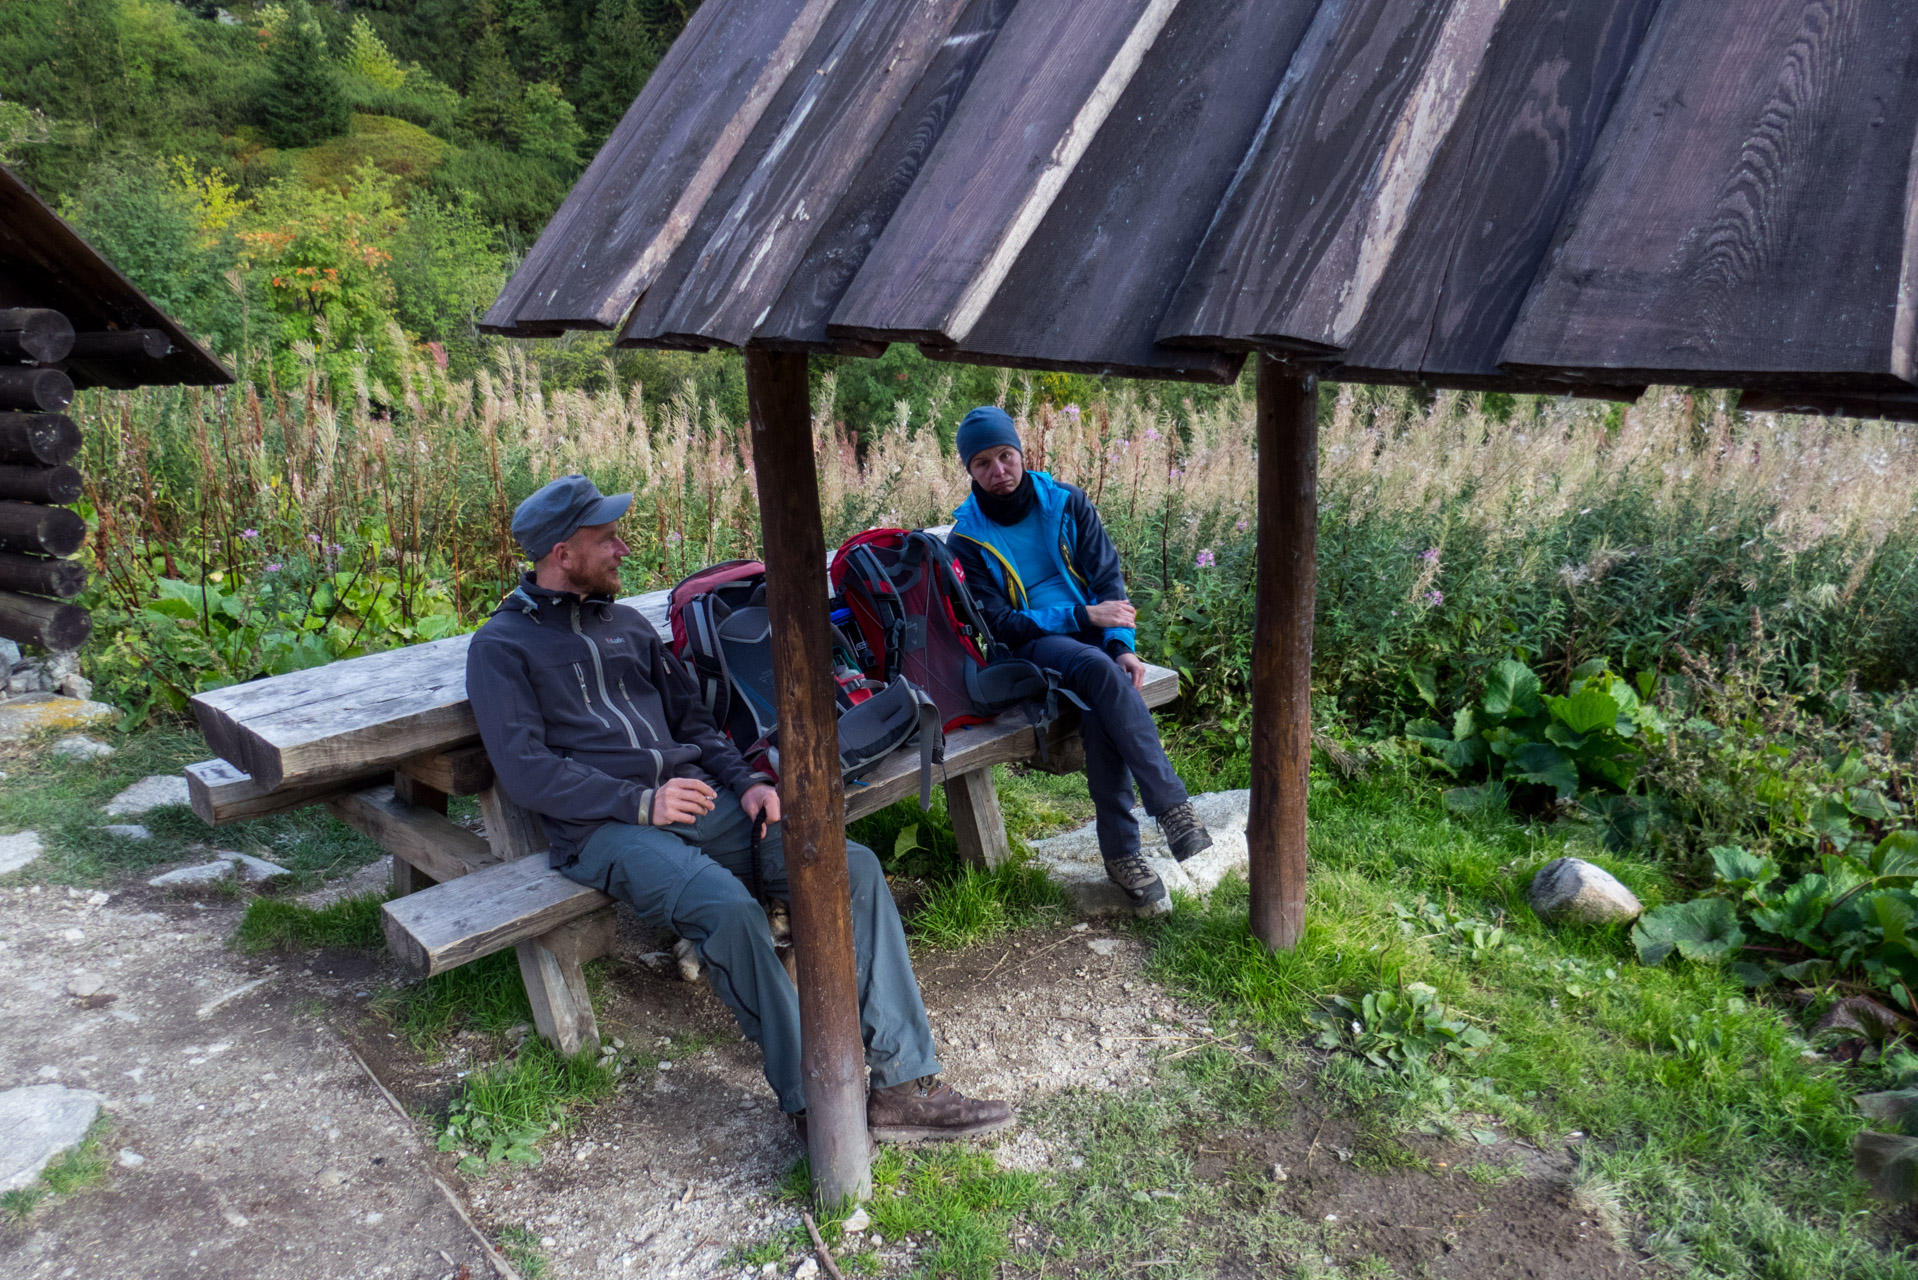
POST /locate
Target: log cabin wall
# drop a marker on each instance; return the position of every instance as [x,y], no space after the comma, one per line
[68,320]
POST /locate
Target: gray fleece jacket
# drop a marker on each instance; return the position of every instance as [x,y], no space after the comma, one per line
[584,713]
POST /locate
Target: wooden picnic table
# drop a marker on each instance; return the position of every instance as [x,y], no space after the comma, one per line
[385,740]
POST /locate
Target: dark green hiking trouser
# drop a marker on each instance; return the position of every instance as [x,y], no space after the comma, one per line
[693,877]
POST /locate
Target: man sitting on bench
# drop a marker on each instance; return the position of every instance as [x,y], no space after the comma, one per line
[1050,584]
[592,724]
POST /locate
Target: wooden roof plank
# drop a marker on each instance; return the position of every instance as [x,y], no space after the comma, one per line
[638,199]
[1324,200]
[1053,76]
[847,234]
[1089,289]
[1736,223]
[730,271]
[1499,185]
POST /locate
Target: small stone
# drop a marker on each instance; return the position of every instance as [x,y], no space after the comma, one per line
[77,686]
[1573,889]
[807,1269]
[37,1123]
[1278,1173]
[1105,1042]
[74,935]
[152,792]
[1104,946]
[127,831]
[857,1220]
[19,849]
[9,655]
[1081,927]
[331,1176]
[203,874]
[77,746]
[84,984]
[547,1242]
[99,898]
[131,1159]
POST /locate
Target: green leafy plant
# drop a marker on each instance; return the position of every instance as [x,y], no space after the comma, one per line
[1521,740]
[1450,931]
[1407,1030]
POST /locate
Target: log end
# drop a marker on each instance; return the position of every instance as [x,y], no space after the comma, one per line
[51,624]
[404,946]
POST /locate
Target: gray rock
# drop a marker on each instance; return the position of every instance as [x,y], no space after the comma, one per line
[19,849]
[203,874]
[151,792]
[37,1123]
[127,831]
[9,655]
[77,686]
[36,713]
[1104,946]
[77,746]
[131,1159]
[245,866]
[1573,889]
[84,984]
[1072,859]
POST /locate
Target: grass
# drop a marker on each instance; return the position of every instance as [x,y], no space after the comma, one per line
[65,1174]
[522,1248]
[271,924]
[486,995]
[977,905]
[61,799]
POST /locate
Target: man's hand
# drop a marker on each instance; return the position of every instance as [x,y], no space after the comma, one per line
[681,800]
[1112,613]
[1134,666]
[761,804]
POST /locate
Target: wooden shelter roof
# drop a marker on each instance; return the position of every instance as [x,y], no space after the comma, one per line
[45,263]
[1521,194]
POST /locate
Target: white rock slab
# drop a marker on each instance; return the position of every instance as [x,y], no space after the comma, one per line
[1072,859]
[1573,889]
[127,831]
[37,1123]
[77,746]
[18,849]
[151,792]
[247,867]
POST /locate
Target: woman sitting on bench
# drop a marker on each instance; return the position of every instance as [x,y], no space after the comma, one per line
[1049,582]
[593,725]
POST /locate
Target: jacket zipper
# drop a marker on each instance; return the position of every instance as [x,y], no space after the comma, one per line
[579,673]
[659,761]
[599,671]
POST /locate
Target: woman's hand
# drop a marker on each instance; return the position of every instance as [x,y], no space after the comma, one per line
[1134,666]
[1112,613]
[681,800]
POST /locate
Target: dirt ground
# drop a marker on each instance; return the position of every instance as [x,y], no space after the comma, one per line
[268,1150]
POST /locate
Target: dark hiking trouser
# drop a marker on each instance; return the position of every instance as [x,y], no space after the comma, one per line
[693,877]
[1122,740]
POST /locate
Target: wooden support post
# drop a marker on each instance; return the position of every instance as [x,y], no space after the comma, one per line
[978,823]
[832,1053]
[1282,649]
[513,832]
[555,985]
[407,790]
[408,878]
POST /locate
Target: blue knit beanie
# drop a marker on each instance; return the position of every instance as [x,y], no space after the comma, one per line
[986,427]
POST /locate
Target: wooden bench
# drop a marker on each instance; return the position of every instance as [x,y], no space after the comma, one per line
[383,742]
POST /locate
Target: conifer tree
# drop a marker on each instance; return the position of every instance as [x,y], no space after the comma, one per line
[626,41]
[302,101]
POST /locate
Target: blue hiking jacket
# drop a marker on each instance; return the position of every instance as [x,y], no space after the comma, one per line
[1082,555]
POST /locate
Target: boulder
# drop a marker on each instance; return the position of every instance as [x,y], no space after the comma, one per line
[1573,889]
[37,1123]
[77,746]
[32,715]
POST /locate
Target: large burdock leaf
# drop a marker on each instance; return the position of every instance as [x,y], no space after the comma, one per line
[1511,689]
[1741,870]
[1544,763]
[1889,1162]
[1586,711]
[1703,929]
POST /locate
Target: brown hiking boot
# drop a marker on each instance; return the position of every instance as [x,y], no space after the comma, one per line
[929,1108]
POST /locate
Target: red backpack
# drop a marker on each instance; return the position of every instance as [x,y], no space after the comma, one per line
[907,595]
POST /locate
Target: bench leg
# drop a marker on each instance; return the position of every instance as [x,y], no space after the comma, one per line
[513,832]
[408,878]
[549,965]
[977,821]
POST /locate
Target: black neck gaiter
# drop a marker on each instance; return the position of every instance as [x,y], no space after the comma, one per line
[1010,509]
